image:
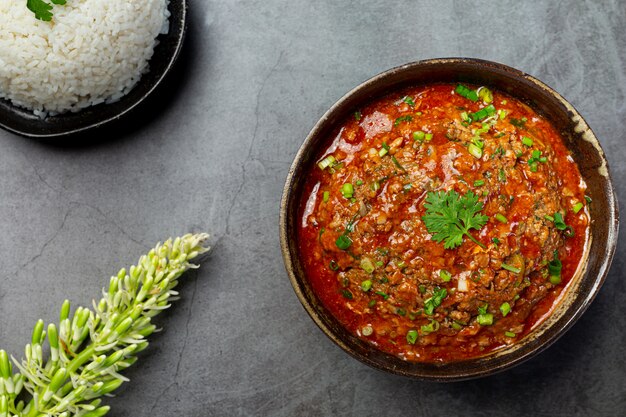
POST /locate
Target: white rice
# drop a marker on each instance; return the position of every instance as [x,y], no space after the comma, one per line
[92,51]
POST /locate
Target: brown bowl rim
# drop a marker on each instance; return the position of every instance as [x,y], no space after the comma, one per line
[453,371]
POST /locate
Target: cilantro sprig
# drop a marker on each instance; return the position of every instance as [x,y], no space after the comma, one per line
[42,9]
[449,216]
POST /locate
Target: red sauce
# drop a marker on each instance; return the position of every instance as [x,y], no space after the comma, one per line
[399,289]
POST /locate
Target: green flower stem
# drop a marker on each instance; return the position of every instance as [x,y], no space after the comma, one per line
[89,348]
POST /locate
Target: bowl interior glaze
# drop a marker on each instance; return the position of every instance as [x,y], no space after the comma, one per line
[23,122]
[577,136]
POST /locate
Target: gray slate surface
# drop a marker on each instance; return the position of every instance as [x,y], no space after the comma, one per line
[254,78]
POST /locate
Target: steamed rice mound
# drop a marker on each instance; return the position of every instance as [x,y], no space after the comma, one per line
[92,51]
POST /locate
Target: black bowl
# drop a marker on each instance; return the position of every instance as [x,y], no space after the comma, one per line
[585,150]
[23,122]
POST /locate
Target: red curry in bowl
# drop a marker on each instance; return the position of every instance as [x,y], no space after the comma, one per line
[443,222]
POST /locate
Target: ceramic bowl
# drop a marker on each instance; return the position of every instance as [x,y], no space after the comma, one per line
[578,137]
[24,122]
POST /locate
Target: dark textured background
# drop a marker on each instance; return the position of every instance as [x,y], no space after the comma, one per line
[212,152]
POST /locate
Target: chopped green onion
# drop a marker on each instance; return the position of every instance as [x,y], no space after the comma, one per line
[554,269]
[319,236]
[483,113]
[372,303]
[521,123]
[396,163]
[422,288]
[382,294]
[401,264]
[485,319]
[501,175]
[479,183]
[347,190]
[577,207]
[326,196]
[408,100]
[357,115]
[366,285]
[384,150]
[428,137]
[435,301]
[548,217]
[509,334]
[475,151]
[502,114]
[401,119]
[333,265]
[456,326]
[485,95]
[588,199]
[511,268]
[367,330]
[445,275]
[466,92]
[411,336]
[527,141]
[375,186]
[401,311]
[534,158]
[478,142]
[554,280]
[501,218]
[433,326]
[343,242]
[329,161]
[347,294]
[367,265]
[495,240]
[419,136]
[505,308]
[560,224]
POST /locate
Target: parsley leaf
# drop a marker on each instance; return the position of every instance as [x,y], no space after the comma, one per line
[42,9]
[449,216]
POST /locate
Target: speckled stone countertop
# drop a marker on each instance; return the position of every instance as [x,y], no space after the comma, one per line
[212,154]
